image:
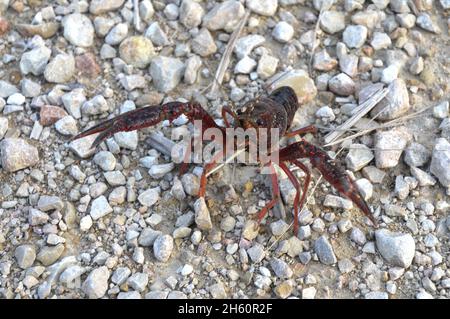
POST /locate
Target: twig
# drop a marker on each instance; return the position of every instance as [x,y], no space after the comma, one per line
[137,17]
[396,122]
[225,61]
[359,112]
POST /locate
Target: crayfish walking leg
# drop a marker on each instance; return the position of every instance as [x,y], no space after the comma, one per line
[331,172]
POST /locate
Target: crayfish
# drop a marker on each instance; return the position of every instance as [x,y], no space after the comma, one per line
[276,110]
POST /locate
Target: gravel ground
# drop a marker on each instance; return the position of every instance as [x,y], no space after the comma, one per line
[119,222]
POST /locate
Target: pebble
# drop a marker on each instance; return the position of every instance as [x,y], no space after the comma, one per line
[4,125]
[191,14]
[284,289]
[157,35]
[267,66]
[138,281]
[162,247]
[309,293]
[423,177]
[365,187]
[358,236]
[115,178]
[245,45]
[25,256]
[341,84]
[100,207]
[245,65]
[358,157]
[30,88]
[441,111]
[281,268]
[256,253]
[202,216]
[66,126]
[120,275]
[389,74]
[324,251]
[117,34]
[78,30]
[397,249]
[129,295]
[336,201]
[265,8]
[279,227]
[35,60]
[166,73]
[424,21]
[50,254]
[422,294]
[137,51]
[105,160]
[102,6]
[17,154]
[355,36]
[332,21]
[191,184]
[86,223]
[96,284]
[416,155]
[380,40]
[323,61]
[440,161]
[149,197]
[396,102]
[7,89]
[389,146]
[376,295]
[60,69]
[224,16]
[203,43]
[345,266]
[283,32]
[82,147]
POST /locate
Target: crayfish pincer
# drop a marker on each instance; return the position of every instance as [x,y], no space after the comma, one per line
[275,111]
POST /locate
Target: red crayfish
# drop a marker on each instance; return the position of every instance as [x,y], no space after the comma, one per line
[276,110]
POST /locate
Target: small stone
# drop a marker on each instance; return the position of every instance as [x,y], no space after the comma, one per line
[245,45]
[245,66]
[166,73]
[376,295]
[87,65]
[417,65]
[181,232]
[279,227]
[158,171]
[423,177]
[82,147]
[345,266]
[336,201]
[4,125]
[342,84]
[137,51]
[281,268]
[332,21]
[78,30]
[102,6]
[191,13]
[193,64]
[389,74]
[358,236]
[96,284]
[45,30]
[441,111]
[149,197]
[171,11]
[30,88]
[203,44]
[35,61]
[309,293]
[191,184]
[138,281]
[323,61]
[17,154]
[86,223]
[250,230]
[396,248]
[324,251]
[440,161]
[416,155]
[117,34]
[66,126]
[265,8]
[50,114]
[202,216]
[162,247]
[105,160]
[115,178]
[283,32]
[225,15]
[284,289]
[100,207]
[389,146]
[380,41]
[72,102]
[60,69]
[358,157]
[217,291]
[36,217]
[401,187]
[157,35]
[50,254]
[365,187]
[424,21]
[267,66]
[25,256]
[7,89]
[423,295]
[355,36]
